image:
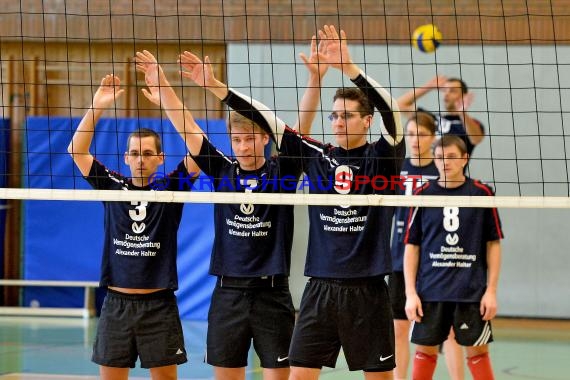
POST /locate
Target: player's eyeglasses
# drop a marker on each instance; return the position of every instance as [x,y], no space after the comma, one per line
[344,116]
[135,154]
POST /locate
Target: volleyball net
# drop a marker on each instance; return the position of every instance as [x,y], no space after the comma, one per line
[514,56]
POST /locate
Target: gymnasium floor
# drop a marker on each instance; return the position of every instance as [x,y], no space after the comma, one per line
[34,348]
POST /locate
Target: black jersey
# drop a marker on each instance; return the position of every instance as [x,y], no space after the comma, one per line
[453,244]
[412,177]
[350,241]
[251,240]
[140,244]
[344,241]
[452,125]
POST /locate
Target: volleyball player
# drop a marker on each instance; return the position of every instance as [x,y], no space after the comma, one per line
[346,301]
[251,256]
[140,316]
[417,169]
[457,99]
[451,267]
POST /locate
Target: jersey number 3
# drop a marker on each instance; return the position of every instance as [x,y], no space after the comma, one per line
[138,215]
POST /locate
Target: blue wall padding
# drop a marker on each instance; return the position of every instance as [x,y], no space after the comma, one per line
[63,239]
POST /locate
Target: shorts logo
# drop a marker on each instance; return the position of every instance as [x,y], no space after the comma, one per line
[384,358]
[280,359]
[464,326]
[179,352]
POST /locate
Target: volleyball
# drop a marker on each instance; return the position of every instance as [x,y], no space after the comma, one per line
[426,38]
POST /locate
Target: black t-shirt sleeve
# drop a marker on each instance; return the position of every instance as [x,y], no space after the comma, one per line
[492,229]
[413,233]
[180,179]
[382,100]
[100,176]
[210,159]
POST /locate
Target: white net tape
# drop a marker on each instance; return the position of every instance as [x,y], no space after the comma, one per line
[289,199]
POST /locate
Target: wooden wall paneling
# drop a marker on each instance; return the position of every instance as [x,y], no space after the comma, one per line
[217,21]
[65,77]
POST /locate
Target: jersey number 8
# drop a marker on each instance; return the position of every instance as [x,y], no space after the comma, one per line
[451,218]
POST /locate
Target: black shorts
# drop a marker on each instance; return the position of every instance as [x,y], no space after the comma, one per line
[397,287]
[352,313]
[249,309]
[470,329]
[139,325]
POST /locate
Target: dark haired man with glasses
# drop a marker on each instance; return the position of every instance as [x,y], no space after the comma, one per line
[346,302]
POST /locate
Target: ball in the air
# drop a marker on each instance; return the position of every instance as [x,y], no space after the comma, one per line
[426,38]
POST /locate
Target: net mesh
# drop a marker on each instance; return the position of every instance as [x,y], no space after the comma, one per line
[513,56]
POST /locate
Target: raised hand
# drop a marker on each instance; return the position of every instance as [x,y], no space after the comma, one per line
[334,47]
[436,83]
[108,91]
[153,75]
[316,63]
[199,72]
[463,104]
